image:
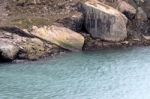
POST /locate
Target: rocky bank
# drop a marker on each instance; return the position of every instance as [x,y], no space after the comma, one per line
[32,29]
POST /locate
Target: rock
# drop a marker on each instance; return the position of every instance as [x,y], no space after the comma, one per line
[8,51]
[141,15]
[144,4]
[146,37]
[74,22]
[146,7]
[126,7]
[30,46]
[133,3]
[37,41]
[22,2]
[60,36]
[125,42]
[31,50]
[108,44]
[104,22]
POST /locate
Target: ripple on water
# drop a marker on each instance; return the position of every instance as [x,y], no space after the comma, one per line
[105,74]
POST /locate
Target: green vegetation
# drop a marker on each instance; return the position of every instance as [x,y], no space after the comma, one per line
[28,22]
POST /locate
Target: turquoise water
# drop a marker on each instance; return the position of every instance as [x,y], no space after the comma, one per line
[106,74]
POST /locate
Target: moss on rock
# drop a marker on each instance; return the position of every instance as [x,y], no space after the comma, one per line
[32,50]
[29,22]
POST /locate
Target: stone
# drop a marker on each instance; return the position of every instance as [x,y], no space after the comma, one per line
[144,4]
[37,41]
[22,2]
[141,15]
[125,42]
[73,22]
[146,37]
[104,22]
[146,7]
[126,9]
[60,36]
[8,51]
[32,50]
[123,6]
[133,3]
[108,44]
[138,2]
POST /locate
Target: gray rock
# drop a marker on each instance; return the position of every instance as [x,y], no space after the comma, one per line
[144,4]
[8,51]
[74,22]
[141,15]
[37,41]
[123,6]
[146,7]
[104,22]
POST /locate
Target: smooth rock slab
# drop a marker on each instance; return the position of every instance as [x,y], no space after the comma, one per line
[60,36]
[104,22]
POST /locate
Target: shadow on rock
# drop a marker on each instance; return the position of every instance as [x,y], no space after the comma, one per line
[16,30]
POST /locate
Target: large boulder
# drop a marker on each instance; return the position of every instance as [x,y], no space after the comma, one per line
[8,51]
[60,36]
[104,22]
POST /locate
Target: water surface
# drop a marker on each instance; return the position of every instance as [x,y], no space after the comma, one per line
[106,74]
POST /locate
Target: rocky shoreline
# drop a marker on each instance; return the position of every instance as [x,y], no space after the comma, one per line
[90,26]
